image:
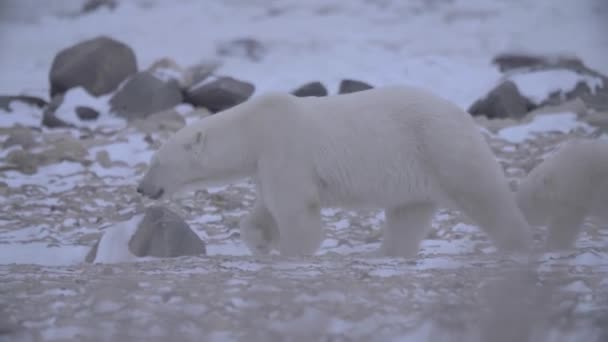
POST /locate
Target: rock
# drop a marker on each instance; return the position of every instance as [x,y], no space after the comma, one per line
[65,148]
[169,120]
[99,65]
[144,94]
[576,106]
[220,94]
[243,47]
[352,86]
[311,89]
[49,119]
[195,74]
[86,113]
[103,158]
[591,88]
[162,233]
[92,253]
[504,101]
[511,61]
[5,101]
[93,5]
[24,161]
[20,137]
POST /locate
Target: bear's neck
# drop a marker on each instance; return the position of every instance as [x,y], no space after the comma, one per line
[232,149]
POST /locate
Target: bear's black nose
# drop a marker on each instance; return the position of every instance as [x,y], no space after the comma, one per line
[158,194]
[140,190]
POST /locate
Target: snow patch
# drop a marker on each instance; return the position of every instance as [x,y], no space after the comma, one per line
[557,122]
[537,86]
[78,96]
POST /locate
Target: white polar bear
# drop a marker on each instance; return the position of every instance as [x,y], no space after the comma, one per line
[570,185]
[398,148]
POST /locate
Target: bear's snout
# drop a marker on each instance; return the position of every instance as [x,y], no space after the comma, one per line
[153,195]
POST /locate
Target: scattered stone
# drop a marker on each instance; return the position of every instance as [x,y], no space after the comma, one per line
[352,86]
[24,161]
[164,234]
[512,61]
[220,94]
[20,137]
[243,47]
[103,158]
[49,119]
[504,101]
[86,113]
[311,89]
[5,101]
[99,65]
[198,73]
[93,5]
[168,120]
[144,94]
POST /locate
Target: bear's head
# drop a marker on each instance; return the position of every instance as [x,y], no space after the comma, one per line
[208,153]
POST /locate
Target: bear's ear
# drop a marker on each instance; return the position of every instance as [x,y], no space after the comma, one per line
[199,141]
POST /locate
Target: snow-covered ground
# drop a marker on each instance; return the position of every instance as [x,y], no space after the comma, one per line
[50,218]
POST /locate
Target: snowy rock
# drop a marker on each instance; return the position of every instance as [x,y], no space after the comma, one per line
[219,94]
[144,94]
[352,86]
[511,61]
[5,101]
[504,101]
[195,74]
[93,5]
[99,65]
[551,80]
[311,89]
[243,47]
[86,113]
[169,120]
[163,233]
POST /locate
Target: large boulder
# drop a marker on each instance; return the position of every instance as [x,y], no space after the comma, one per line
[164,234]
[311,89]
[219,94]
[144,94]
[158,232]
[352,86]
[99,65]
[504,101]
[552,80]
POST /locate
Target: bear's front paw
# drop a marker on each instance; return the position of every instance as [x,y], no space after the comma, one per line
[258,239]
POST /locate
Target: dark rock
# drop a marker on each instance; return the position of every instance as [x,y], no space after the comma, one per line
[86,113]
[162,233]
[511,61]
[352,86]
[502,102]
[243,47]
[5,101]
[220,94]
[92,5]
[311,89]
[144,94]
[48,115]
[99,65]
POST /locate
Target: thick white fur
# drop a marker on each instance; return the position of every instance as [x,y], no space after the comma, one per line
[398,148]
[570,185]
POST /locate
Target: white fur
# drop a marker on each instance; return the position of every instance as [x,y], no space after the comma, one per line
[397,148]
[568,186]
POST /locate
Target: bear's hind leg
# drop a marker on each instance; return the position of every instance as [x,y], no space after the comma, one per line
[259,230]
[564,228]
[405,228]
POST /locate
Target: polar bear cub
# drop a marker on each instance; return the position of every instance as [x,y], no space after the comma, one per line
[398,148]
[568,186]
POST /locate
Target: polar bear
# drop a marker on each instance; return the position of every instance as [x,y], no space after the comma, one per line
[397,148]
[568,186]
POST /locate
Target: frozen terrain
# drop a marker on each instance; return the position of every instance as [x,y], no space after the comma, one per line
[458,289]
